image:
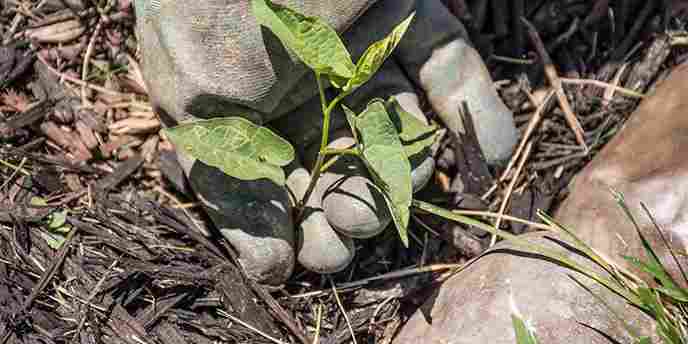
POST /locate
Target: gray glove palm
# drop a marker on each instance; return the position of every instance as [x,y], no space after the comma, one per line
[211,58]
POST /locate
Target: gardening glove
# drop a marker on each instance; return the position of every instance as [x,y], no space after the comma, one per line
[467,309]
[211,58]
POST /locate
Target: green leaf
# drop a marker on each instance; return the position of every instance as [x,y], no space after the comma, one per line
[314,42]
[386,159]
[375,56]
[351,119]
[415,135]
[236,146]
[57,220]
[524,334]
[39,201]
[54,240]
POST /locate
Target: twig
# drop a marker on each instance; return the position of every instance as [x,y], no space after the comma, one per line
[93,294]
[318,321]
[80,82]
[555,81]
[43,282]
[547,164]
[341,307]
[630,38]
[87,61]
[607,86]
[277,309]
[386,276]
[564,36]
[609,92]
[510,189]
[534,120]
[248,326]
[512,60]
[17,169]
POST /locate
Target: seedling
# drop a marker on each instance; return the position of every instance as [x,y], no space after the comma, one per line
[386,136]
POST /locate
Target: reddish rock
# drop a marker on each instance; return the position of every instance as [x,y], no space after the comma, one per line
[646,161]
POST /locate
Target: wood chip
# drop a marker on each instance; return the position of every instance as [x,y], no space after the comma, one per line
[67,140]
[61,32]
[87,135]
[134,125]
[117,142]
[149,149]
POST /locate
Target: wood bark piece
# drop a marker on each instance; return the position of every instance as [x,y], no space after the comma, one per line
[66,140]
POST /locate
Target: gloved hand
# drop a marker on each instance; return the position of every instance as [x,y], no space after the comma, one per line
[211,58]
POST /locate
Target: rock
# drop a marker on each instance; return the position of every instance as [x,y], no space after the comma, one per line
[655,174]
[473,306]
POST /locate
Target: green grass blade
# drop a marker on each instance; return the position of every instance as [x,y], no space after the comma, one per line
[609,308]
[565,261]
[665,241]
[524,334]
[653,266]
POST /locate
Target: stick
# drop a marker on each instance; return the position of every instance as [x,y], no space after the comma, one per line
[554,80]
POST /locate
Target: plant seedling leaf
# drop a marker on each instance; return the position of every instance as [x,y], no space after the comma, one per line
[236,146]
[415,135]
[351,120]
[375,56]
[386,159]
[314,42]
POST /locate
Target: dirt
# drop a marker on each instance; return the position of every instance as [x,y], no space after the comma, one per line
[133,265]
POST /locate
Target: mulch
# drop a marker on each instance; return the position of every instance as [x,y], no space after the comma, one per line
[101,241]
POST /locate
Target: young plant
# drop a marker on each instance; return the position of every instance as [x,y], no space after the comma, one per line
[386,136]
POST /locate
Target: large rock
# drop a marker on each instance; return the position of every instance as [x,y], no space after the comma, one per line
[646,162]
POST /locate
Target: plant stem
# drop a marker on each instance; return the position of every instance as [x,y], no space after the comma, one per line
[317,169]
[339,152]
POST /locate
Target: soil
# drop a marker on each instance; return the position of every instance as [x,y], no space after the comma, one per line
[101,240]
